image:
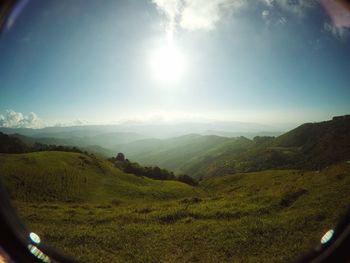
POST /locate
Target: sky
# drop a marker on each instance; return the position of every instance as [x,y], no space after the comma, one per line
[265,61]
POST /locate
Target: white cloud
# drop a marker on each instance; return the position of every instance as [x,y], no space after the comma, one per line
[13,119]
[269,2]
[171,9]
[72,123]
[338,32]
[297,7]
[203,15]
[265,14]
[276,11]
[196,14]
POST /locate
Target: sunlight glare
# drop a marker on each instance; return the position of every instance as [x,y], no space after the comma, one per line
[168,64]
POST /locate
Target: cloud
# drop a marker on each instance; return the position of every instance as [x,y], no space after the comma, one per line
[72,123]
[265,15]
[204,15]
[171,9]
[13,119]
[268,2]
[278,12]
[196,14]
[337,31]
[296,7]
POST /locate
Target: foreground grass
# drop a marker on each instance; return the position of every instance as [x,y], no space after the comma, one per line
[269,216]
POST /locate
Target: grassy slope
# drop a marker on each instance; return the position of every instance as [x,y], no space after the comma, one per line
[184,154]
[73,177]
[311,146]
[268,216]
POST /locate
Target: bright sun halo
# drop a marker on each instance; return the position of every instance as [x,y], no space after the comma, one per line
[168,64]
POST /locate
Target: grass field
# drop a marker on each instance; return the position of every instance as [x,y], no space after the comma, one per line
[74,177]
[100,214]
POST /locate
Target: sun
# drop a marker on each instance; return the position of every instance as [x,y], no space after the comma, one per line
[168,64]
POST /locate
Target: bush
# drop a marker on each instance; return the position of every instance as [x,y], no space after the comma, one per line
[120,157]
[187,179]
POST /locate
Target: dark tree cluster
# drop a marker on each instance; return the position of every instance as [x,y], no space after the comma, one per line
[39,147]
[11,144]
[134,168]
[151,172]
[187,179]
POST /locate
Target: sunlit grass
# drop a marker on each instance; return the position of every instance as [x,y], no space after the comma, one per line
[269,216]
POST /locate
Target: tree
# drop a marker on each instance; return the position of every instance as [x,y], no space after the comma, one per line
[187,179]
[120,157]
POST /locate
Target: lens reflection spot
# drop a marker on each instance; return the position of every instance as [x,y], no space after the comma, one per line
[326,237]
[34,237]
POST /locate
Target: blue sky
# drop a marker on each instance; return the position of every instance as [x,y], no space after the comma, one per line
[267,61]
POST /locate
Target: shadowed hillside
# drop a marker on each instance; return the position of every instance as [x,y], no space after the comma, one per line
[320,144]
[309,146]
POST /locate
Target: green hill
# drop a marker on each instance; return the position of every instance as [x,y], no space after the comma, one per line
[243,217]
[62,176]
[10,144]
[255,195]
[309,146]
[30,142]
[177,153]
[320,144]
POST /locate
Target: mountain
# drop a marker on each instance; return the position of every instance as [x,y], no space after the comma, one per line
[309,146]
[320,144]
[98,150]
[108,136]
[82,204]
[171,153]
[10,144]
[80,136]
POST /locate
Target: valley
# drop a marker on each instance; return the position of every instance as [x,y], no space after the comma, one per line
[268,191]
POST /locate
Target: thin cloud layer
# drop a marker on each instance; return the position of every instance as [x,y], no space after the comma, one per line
[13,119]
[275,12]
[295,7]
[72,123]
[195,14]
[204,15]
[336,31]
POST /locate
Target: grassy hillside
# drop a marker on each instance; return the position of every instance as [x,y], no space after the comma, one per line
[320,144]
[11,144]
[309,146]
[90,209]
[207,156]
[178,153]
[62,176]
[269,216]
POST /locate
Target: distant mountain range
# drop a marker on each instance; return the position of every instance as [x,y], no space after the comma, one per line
[111,135]
[309,146]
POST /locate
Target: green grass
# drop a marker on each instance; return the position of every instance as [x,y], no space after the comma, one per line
[269,216]
[73,177]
